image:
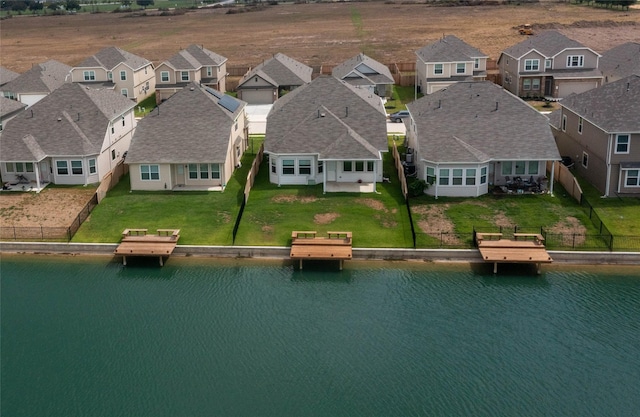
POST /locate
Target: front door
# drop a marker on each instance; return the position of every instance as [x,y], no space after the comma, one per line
[548,86]
[331,170]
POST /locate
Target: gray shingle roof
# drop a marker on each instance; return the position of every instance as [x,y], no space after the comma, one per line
[449,49]
[330,118]
[191,126]
[111,57]
[549,44]
[461,124]
[281,71]
[41,78]
[614,107]
[8,106]
[622,61]
[7,75]
[382,74]
[71,121]
[195,57]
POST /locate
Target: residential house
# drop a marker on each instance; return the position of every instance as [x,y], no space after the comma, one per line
[7,75]
[193,64]
[447,61]
[620,62]
[126,73]
[327,132]
[474,136]
[600,128]
[9,109]
[273,78]
[192,141]
[36,83]
[549,65]
[76,135]
[364,72]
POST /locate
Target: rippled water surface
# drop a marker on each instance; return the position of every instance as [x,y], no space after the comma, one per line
[88,337]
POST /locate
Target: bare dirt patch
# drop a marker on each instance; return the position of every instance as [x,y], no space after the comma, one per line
[386,32]
[294,199]
[325,218]
[372,203]
[572,231]
[52,207]
[501,220]
[435,223]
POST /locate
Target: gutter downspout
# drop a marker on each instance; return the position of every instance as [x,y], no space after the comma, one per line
[437,179]
[324,176]
[608,180]
[553,171]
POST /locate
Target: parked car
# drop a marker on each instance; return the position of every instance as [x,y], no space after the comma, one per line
[398,116]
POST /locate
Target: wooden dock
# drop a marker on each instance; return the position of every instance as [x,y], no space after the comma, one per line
[137,242]
[523,248]
[307,245]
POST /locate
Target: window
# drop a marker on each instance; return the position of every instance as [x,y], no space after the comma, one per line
[431,175]
[184,75]
[370,166]
[149,172]
[76,167]
[113,129]
[535,83]
[193,171]
[89,75]
[444,177]
[123,123]
[580,123]
[437,69]
[585,159]
[63,168]
[124,92]
[547,63]
[320,167]
[483,175]
[457,176]
[273,166]
[19,167]
[209,72]
[476,63]
[460,68]
[633,178]
[113,154]
[92,166]
[531,64]
[347,166]
[204,171]
[215,171]
[123,75]
[564,122]
[520,167]
[506,168]
[9,167]
[575,61]
[109,76]
[622,143]
[470,177]
[304,167]
[288,167]
[533,168]
[164,76]
[526,84]
[359,166]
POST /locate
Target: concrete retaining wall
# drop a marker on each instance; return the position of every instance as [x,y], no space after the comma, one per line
[451,255]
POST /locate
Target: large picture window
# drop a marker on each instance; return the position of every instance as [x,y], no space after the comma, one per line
[531,64]
[89,75]
[149,172]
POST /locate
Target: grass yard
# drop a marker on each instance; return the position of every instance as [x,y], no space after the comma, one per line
[400,97]
[376,220]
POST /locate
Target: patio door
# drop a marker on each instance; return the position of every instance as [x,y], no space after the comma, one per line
[179,169]
[45,171]
[331,170]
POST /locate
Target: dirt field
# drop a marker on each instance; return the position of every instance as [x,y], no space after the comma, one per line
[322,33]
[50,208]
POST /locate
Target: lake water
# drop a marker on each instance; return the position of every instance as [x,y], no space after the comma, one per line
[203,337]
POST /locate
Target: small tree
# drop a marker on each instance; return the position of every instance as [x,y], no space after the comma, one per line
[34,6]
[72,5]
[144,3]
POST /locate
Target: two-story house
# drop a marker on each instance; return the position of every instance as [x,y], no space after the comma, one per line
[620,61]
[38,82]
[600,128]
[195,64]
[447,61]
[276,76]
[126,73]
[549,65]
[75,135]
[364,72]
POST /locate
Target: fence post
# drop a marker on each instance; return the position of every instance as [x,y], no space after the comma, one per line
[68,234]
[14,233]
[573,245]
[41,233]
[611,243]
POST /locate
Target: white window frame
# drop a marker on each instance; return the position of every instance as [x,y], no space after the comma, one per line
[109,76]
[585,160]
[476,63]
[547,63]
[526,84]
[89,75]
[125,92]
[164,76]
[151,171]
[625,144]
[532,64]
[290,165]
[564,122]
[92,166]
[575,61]
[62,165]
[628,177]
[535,84]
[123,75]
[78,169]
[320,167]
[209,71]
[483,175]
[580,124]
[430,175]
[182,76]
[438,69]
[458,68]
[443,176]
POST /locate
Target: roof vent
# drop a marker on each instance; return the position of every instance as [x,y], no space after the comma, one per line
[59,119]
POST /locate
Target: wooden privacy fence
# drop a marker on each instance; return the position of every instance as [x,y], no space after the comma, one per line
[400,169]
[565,177]
[253,173]
[111,179]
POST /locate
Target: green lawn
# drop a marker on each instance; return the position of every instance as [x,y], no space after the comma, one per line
[400,98]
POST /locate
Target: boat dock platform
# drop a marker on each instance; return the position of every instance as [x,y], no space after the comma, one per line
[523,248]
[307,245]
[137,242]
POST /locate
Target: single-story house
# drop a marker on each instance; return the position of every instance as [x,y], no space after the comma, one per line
[38,82]
[365,72]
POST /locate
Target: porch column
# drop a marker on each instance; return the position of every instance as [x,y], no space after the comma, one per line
[375,173]
[553,171]
[324,177]
[37,167]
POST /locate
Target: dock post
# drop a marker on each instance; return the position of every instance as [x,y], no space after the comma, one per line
[161,261]
[124,260]
[301,264]
[495,267]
